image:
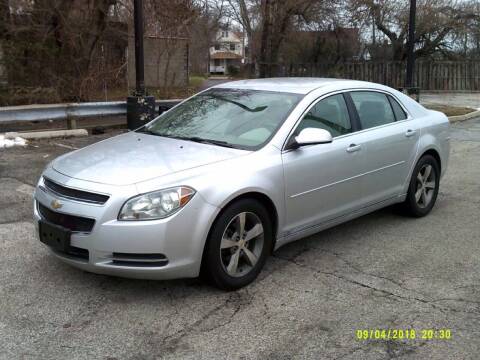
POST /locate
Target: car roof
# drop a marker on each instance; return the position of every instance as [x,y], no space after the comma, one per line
[298,85]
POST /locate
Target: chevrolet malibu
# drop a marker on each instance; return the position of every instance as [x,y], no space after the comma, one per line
[218,182]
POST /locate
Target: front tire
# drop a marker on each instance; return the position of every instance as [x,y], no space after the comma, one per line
[423,188]
[239,242]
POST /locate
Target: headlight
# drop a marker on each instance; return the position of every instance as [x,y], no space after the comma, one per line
[157,204]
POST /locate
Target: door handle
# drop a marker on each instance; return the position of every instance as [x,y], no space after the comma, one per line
[410,133]
[354,147]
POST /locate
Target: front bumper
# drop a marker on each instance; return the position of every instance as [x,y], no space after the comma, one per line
[180,238]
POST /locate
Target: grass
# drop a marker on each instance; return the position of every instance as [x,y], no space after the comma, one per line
[450,110]
[196,81]
[30,95]
[173,92]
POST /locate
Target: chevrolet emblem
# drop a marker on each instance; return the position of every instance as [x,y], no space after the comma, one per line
[56,204]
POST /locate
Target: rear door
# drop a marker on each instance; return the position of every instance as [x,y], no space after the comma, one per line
[323,181]
[390,139]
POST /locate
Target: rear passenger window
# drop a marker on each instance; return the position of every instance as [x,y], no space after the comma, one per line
[373,108]
[397,109]
[330,114]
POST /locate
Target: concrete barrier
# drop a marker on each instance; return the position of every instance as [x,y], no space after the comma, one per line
[46,134]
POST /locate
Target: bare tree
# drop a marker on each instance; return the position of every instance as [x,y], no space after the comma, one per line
[279,17]
[268,22]
[70,48]
[467,35]
[436,21]
[205,28]
[54,44]
[247,13]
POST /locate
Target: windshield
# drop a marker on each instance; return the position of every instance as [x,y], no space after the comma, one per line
[244,119]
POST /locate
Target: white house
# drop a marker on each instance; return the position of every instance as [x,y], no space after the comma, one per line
[228,51]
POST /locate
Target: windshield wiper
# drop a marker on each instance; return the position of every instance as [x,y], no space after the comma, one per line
[244,107]
[192,138]
[208,141]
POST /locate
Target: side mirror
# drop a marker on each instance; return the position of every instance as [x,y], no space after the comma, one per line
[310,136]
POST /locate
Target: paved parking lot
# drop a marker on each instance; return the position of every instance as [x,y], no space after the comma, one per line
[381,271]
[471,100]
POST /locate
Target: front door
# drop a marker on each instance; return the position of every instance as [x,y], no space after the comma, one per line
[323,181]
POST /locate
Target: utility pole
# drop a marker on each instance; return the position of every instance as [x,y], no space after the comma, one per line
[264,45]
[411,45]
[374,25]
[139,54]
[209,37]
[140,107]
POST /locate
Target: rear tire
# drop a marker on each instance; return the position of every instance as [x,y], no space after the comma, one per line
[423,187]
[238,245]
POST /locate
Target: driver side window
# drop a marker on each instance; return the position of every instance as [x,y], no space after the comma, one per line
[330,114]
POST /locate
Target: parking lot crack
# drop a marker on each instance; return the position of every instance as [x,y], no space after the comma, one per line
[355,268]
[388,293]
[237,300]
[358,270]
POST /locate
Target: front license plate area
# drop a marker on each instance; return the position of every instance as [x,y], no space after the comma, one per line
[54,236]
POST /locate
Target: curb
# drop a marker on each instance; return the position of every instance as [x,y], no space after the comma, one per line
[468,116]
[47,134]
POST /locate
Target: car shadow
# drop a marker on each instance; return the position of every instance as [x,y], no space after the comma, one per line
[126,290]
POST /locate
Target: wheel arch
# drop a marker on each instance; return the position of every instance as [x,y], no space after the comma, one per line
[435,154]
[266,201]
[430,150]
[262,198]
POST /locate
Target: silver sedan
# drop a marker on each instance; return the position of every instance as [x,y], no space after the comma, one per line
[218,182]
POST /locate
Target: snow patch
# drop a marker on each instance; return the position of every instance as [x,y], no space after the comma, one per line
[8,143]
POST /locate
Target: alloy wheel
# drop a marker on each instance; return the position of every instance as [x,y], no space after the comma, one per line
[425,187]
[242,244]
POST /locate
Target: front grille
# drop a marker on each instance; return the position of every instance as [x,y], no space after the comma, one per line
[74,194]
[139,260]
[71,222]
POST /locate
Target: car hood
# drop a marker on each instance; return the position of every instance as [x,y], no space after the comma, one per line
[135,157]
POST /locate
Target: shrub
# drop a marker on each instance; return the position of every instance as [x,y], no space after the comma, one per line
[233,70]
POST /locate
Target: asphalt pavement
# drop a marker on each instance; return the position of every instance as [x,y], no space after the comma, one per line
[381,271]
[468,99]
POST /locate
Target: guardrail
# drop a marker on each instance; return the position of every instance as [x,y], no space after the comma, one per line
[70,111]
